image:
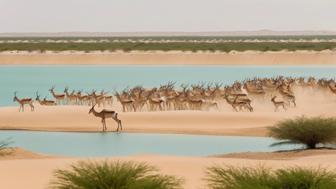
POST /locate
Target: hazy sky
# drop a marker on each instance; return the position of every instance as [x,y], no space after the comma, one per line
[165,15]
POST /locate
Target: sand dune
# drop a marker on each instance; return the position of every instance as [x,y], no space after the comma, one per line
[171,58]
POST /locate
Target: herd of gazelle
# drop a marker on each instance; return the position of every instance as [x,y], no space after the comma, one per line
[239,95]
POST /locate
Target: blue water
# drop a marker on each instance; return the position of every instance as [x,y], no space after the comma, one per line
[118,144]
[28,79]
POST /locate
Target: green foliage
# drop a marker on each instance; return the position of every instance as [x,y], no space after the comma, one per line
[264,178]
[308,131]
[179,43]
[113,175]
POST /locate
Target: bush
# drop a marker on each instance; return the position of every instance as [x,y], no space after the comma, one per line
[113,175]
[308,131]
[263,178]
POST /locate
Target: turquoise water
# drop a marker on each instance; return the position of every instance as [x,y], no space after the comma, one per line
[119,144]
[28,79]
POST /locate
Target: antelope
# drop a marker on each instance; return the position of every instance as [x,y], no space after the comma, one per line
[243,104]
[82,99]
[23,102]
[106,98]
[332,87]
[155,103]
[127,103]
[59,97]
[104,114]
[288,96]
[277,104]
[45,102]
[239,104]
[71,98]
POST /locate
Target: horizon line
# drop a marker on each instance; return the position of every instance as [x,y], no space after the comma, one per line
[264,32]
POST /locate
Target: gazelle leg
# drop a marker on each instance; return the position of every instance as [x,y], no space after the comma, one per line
[103,123]
[119,122]
[235,108]
[105,128]
[118,125]
[116,120]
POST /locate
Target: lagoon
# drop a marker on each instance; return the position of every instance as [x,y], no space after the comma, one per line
[122,144]
[26,80]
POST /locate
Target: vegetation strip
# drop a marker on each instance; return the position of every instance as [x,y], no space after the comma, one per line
[170,46]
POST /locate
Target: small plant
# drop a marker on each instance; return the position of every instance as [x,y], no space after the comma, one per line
[264,178]
[308,131]
[113,175]
[4,147]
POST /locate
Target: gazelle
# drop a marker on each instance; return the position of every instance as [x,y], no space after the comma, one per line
[238,104]
[107,98]
[104,114]
[58,97]
[287,94]
[23,102]
[277,104]
[44,102]
[127,103]
[332,87]
[70,97]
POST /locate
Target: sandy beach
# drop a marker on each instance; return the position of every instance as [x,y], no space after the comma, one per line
[187,122]
[223,121]
[169,58]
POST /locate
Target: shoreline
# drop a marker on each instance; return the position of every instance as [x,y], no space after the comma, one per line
[170,58]
[230,134]
[218,123]
[76,119]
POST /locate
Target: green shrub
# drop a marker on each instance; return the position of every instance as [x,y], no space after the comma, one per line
[264,178]
[308,131]
[113,175]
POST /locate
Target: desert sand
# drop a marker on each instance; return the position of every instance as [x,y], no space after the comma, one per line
[170,58]
[37,173]
[30,170]
[214,122]
[71,118]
